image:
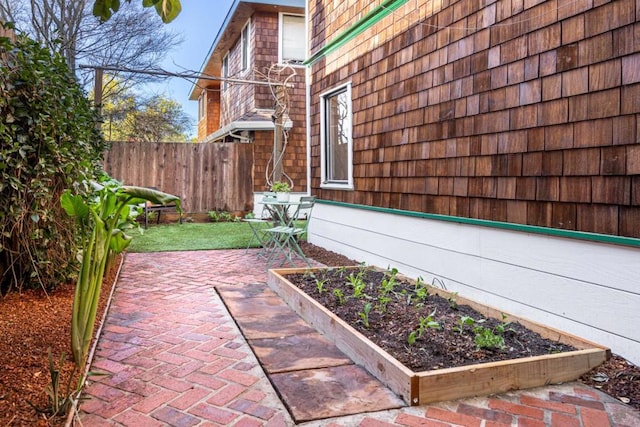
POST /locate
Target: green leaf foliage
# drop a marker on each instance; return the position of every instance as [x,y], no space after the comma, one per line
[104,236]
[167,9]
[48,142]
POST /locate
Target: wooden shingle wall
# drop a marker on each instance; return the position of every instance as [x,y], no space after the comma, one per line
[295,158]
[242,99]
[525,111]
[238,98]
[211,122]
[266,55]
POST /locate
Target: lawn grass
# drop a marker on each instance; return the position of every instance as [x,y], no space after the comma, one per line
[191,237]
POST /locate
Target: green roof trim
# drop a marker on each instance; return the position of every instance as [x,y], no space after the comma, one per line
[365,22]
[533,229]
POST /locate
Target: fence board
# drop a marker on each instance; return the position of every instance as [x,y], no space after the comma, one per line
[206,176]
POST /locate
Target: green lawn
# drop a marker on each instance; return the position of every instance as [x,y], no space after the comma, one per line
[191,236]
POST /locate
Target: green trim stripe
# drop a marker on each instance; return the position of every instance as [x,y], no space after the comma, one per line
[570,234]
[365,22]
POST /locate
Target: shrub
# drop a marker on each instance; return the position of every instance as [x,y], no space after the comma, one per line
[48,142]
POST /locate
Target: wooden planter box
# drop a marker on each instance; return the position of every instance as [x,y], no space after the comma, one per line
[418,388]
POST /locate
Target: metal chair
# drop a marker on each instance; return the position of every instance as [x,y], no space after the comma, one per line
[258,225]
[283,239]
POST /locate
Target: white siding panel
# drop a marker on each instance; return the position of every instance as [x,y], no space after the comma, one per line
[566,257]
[585,288]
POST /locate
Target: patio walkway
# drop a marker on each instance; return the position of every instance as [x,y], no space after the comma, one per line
[174,356]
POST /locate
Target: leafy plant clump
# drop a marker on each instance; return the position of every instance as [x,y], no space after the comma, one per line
[411,321]
[49,141]
[280,187]
[223,216]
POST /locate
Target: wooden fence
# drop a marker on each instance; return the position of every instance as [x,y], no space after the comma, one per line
[206,176]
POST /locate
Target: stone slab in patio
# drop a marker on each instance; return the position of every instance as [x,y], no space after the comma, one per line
[272,325]
[258,305]
[333,392]
[253,290]
[297,352]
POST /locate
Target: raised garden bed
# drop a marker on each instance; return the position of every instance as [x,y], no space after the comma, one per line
[572,356]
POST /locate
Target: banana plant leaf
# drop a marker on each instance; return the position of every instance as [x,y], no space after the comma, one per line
[142,194]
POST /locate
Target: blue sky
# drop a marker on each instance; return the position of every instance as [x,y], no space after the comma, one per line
[198,23]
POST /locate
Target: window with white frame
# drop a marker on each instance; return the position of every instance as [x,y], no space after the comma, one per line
[245,44]
[201,105]
[292,39]
[225,71]
[336,138]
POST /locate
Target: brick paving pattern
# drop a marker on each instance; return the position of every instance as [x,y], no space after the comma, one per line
[174,357]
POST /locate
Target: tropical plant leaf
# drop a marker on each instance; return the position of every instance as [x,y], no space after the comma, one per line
[142,194]
[74,205]
[119,241]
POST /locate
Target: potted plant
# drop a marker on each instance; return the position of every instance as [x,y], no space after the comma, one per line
[282,191]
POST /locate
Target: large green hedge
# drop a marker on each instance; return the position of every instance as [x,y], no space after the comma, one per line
[48,142]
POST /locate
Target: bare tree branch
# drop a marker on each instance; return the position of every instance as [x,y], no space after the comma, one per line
[134,37]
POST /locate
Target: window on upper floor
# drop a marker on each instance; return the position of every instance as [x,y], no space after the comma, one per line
[336,141]
[245,43]
[225,71]
[292,39]
[202,105]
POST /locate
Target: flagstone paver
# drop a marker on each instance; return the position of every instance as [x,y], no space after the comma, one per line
[174,356]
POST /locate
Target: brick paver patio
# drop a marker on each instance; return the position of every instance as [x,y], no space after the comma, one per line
[175,357]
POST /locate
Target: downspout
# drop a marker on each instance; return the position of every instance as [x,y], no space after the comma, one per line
[307,81]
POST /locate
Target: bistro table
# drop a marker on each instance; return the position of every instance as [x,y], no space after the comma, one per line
[281,238]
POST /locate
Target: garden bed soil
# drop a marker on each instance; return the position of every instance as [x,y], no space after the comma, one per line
[617,376]
[446,343]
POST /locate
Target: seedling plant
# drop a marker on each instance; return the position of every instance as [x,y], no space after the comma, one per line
[426,325]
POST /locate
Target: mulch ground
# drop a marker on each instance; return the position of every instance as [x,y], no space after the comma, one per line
[32,323]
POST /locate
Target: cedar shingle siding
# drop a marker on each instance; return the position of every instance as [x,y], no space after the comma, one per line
[240,101]
[519,110]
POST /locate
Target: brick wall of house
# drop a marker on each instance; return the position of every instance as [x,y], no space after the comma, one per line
[523,111]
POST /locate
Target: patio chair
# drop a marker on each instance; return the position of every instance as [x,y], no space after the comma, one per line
[150,208]
[283,239]
[258,225]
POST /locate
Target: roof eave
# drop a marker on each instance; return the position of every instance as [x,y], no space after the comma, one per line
[239,126]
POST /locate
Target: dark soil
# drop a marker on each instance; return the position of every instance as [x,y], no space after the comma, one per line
[444,341]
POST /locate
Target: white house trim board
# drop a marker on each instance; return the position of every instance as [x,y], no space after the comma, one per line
[588,289]
[325,182]
[238,126]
